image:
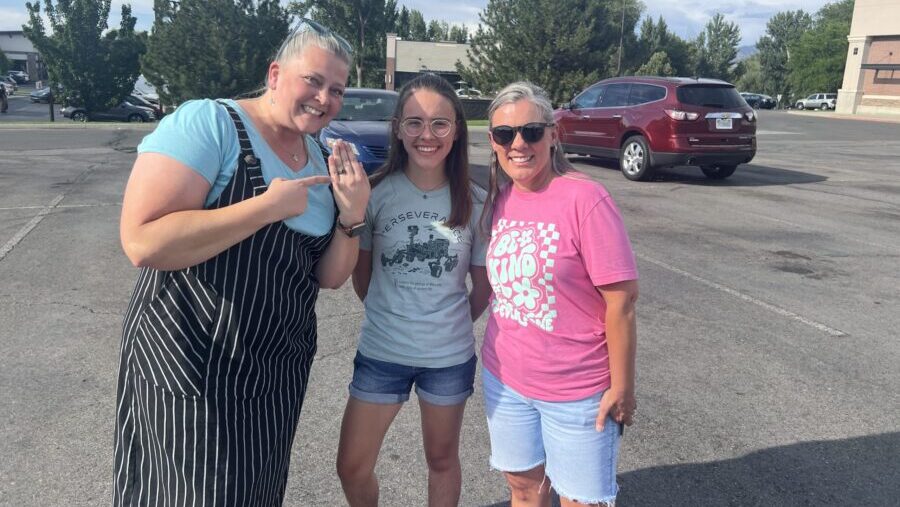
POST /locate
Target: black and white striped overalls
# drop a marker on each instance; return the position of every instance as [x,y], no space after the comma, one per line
[214,365]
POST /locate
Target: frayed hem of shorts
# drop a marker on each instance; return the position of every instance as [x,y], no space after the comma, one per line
[517,470]
[609,501]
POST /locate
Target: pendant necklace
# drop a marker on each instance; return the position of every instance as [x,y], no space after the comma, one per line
[432,189]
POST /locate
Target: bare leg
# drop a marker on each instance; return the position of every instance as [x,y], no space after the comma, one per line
[362,433]
[440,433]
[530,488]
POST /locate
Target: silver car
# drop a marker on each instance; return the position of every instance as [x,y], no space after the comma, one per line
[823,101]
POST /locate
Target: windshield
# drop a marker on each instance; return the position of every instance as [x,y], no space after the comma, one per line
[715,96]
[374,107]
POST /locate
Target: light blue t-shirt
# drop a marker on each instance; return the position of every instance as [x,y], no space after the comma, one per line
[201,135]
[417,305]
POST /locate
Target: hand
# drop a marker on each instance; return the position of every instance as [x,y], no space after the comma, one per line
[288,198]
[620,405]
[349,182]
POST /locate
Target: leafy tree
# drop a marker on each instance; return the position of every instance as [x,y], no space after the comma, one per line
[436,31]
[96,71]
[658,65]
[402,27]
[782,31]
[655,38]
[561,45]
[4,63]
[819,55]
[751,77]
[418,30]
[717,48]
[212,48]
[364,23]
[459,34]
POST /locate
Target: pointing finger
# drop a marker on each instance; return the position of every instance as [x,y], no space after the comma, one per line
[314,180]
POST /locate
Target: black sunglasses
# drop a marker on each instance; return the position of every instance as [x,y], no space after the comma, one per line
[531,132]
[305,25]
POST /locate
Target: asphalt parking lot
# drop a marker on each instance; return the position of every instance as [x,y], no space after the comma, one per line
[768,328]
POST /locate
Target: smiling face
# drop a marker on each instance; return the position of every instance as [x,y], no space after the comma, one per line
[427,151]
[526,164]
[308,90]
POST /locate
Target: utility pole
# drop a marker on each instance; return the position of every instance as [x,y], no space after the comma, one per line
[621,39]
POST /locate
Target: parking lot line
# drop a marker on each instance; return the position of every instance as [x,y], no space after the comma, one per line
[750,299]
[19,236]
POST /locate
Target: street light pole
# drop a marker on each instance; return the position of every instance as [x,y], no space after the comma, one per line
[621,39]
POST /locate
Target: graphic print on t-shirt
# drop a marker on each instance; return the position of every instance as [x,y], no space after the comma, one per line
[520,268]
[426,249]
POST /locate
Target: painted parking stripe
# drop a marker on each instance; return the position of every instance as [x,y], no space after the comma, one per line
[750,299]
[19,236]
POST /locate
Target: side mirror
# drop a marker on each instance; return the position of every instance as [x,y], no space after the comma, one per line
[566,105]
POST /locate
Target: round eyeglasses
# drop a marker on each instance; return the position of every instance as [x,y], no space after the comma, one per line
[414,127]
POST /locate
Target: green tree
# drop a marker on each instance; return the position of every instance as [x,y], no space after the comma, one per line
[655,38]
[4,63]
[436,31]
[561,45]
[717,48]
[96,70]
[212,48]
[402,27]
[459,34]
[773,49]
[418,30]
[364,23]
[819,55]
[658,65]
[751,77]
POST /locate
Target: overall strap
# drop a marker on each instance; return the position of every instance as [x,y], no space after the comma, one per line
[247,158]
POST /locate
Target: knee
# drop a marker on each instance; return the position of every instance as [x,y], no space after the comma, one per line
[350,470]
[442,461]
[526,489]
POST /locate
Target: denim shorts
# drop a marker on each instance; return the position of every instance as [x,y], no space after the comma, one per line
[386,383]
[579,461]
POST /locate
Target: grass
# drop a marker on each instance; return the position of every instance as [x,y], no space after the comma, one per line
[477,123]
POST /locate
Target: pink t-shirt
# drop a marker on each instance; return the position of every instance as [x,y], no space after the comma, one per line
[549,249]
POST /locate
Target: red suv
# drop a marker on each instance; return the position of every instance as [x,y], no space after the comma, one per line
[650,122]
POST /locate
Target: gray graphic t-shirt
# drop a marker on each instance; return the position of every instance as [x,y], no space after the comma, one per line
[417,306]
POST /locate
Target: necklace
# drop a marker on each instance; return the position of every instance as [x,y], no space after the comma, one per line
[425,191]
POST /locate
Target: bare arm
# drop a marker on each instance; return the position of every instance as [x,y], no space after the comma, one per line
[164,225]
[362,274]
[481,291]
[621,340]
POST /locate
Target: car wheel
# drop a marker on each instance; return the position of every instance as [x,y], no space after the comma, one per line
[800,106]
[718,172]
[824,107]
[135,118]
[634,159]
[79,116]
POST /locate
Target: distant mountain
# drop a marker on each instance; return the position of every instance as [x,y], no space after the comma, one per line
[745,52]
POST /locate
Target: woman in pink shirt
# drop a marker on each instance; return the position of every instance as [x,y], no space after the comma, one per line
[560,343]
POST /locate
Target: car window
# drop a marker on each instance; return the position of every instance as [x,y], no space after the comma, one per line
[717,96]
[589,98]
[831,95]
[374,107]
[643,93]
[616,95]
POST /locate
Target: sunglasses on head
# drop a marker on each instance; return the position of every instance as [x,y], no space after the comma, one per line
[414,127]
[531,132]
[308,25]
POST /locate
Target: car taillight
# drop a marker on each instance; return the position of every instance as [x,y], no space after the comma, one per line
[750,115]
[675,114]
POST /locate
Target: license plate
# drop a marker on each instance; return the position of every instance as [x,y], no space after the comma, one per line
[723,123]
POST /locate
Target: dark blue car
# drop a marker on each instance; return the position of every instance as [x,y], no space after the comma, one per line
[364,121]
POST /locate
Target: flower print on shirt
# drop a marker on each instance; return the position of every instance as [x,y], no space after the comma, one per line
[520,269]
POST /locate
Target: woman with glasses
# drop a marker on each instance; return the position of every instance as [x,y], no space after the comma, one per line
[231,213]
[559,347]
[421,241]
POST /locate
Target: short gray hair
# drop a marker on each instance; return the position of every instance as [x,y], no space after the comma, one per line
[298,41]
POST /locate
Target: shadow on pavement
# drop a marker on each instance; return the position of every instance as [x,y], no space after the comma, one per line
[854,471]
[747,175]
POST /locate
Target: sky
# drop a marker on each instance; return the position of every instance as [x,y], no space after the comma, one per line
[684,17]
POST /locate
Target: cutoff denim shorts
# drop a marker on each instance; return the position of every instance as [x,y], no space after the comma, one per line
[386,383]
[579,461]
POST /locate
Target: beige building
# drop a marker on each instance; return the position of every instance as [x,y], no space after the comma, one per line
[21,53]
[406,58]
[872,74]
